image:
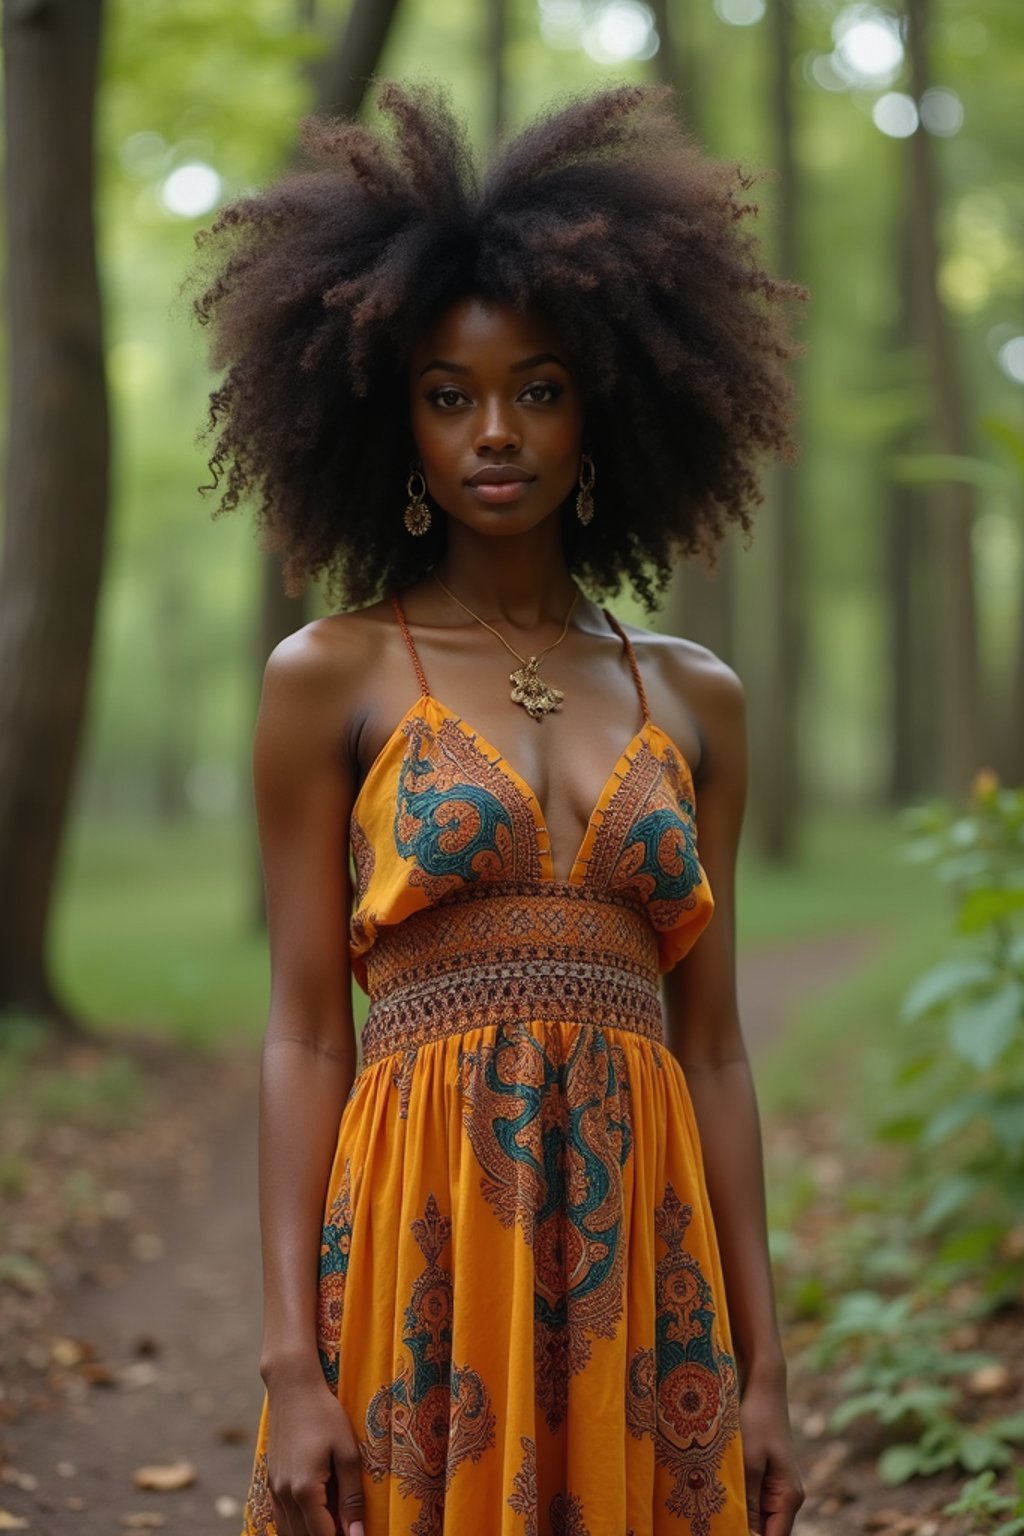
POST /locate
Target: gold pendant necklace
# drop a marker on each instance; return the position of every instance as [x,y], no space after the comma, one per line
[529,689]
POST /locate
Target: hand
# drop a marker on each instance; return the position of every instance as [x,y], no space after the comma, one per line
[313,1463]
[774,1488]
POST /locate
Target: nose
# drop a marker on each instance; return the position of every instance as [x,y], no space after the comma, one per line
[497,428]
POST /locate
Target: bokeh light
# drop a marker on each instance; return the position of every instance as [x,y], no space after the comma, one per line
[620,30]
[191,190]
[895,114]
[868,46]
[942,111]
[739,13]
[1011,359]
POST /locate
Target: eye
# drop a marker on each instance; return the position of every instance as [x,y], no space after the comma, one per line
[553,391]
[438,396]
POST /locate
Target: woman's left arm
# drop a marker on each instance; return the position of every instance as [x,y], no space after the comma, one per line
[705,1036]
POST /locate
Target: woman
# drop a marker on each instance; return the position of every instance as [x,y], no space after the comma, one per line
[523,1285]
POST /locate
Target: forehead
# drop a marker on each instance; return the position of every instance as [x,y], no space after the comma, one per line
[476,329]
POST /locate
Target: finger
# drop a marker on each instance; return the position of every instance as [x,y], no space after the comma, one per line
[282,1523]
[753,1477]
[315,1516]
[351,1503]
[780,1521]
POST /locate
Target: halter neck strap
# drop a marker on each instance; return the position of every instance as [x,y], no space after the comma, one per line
[627,646]
[421,676]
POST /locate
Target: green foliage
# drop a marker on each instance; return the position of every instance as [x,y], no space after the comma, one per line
[941,1239]
[981,1500]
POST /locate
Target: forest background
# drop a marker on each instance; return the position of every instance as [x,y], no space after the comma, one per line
[877,618]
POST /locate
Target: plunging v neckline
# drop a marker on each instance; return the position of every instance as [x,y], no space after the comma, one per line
[491,754]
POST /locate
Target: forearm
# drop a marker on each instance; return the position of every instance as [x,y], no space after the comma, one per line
[302,1094]
[725,1105]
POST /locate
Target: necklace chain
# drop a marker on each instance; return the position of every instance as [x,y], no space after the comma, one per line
[537,697]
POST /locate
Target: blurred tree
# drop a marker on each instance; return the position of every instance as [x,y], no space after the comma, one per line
[497,39]
[777,764]
[57,477]
[699,605]
[956,640]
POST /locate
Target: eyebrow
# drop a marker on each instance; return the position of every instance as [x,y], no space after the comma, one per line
[446,366]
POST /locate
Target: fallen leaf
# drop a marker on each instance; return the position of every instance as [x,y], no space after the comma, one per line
[9,1522]
[989,1380]
[145,1520]
[174,1474]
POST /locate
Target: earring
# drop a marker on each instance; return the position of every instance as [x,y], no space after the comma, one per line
[584,500]
[417,515]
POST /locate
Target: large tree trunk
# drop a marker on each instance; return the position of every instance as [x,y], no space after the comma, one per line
[57,477]
[952,503]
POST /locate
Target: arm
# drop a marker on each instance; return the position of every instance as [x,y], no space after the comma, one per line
[704,1033]
[303,791]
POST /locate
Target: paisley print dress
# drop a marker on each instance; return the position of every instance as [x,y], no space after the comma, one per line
[521,1300]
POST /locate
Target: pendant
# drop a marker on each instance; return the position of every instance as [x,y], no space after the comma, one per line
[536,696]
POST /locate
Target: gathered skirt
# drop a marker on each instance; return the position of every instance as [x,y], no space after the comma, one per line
[521,1302]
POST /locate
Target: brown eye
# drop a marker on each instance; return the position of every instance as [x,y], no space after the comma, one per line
[553,391]
[439,395]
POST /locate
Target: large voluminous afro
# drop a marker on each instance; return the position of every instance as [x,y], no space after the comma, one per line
[603,215]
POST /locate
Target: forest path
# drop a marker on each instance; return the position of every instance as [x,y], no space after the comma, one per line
[166,1305]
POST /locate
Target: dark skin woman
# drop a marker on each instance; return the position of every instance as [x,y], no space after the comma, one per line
[496,397]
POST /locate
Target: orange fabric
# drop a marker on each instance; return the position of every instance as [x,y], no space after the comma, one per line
[522,1307]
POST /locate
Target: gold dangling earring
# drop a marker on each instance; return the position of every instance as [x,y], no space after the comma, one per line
[417,514]
[584,500]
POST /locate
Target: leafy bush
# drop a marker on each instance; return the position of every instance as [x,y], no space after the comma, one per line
[951,1225]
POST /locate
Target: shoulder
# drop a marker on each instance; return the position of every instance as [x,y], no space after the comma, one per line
[330,648]
[318,675]
[687,681]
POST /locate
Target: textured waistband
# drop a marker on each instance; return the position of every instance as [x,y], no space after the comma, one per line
[496,955]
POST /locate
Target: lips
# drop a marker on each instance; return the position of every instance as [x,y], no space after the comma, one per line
[498,474]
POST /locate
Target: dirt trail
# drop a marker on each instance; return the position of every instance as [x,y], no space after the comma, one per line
[179,1329]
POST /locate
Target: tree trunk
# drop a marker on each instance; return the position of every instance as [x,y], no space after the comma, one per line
[914,676]
[57,476]
[698,604]
[774,755]
[952,503]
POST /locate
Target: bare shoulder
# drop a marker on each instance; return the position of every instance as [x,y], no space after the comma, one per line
[691,688]
[318,674]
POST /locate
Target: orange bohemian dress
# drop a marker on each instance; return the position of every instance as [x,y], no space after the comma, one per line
[521,1301]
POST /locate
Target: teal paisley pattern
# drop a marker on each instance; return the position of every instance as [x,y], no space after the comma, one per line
[646,846]
[335,1243]
[458,816]
[683,1392]
[552,1135]
[434,1414]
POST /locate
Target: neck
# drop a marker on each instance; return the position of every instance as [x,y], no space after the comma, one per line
[523,579]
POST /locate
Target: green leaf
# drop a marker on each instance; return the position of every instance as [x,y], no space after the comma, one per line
[983,908]
[1007,436]
[978,1451]
[1010,1428]
[899,1463]
[980,1032]
[946,1200]
[1010,1527]
[945,982]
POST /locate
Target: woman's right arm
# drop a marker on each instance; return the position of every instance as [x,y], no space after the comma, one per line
[303,792]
